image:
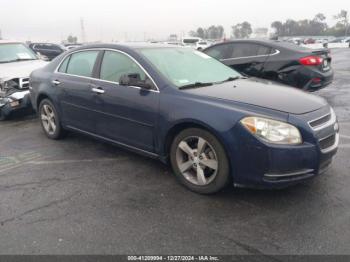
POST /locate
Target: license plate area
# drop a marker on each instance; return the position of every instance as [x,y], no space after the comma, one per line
[14,104]
[326,65]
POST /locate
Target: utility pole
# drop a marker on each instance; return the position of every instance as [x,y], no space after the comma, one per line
[82,27]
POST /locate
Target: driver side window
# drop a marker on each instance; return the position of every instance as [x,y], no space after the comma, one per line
[115,64]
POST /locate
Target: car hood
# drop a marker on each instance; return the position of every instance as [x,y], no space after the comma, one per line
[263,93]
[19,69]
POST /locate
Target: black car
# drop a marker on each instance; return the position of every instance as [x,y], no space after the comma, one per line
[47,49]
[287,63]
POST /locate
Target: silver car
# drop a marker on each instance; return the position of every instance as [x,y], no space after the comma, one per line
[17,61]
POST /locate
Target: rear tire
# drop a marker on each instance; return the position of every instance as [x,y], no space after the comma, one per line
[50,120]
[199,161]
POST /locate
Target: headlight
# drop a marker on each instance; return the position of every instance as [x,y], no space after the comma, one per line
[272,131]
[4,101]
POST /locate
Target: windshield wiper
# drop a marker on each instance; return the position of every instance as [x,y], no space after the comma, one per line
[195,85]
[231,78]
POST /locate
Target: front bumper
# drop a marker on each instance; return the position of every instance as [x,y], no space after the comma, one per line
[286,178]
[257,164]
[19,102]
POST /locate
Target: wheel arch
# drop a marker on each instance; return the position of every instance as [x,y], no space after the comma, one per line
[41,97]
[180,126]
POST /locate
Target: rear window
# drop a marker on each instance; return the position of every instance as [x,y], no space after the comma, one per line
[81,63]
[244,50]
[63,66]
[220,51]
[264,50]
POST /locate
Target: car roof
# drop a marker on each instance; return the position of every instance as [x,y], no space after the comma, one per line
[271,43]
[43,43]
[127,45]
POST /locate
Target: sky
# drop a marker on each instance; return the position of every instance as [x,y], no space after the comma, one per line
[137,20]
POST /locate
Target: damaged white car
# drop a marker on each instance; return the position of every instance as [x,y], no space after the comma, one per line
[17,61]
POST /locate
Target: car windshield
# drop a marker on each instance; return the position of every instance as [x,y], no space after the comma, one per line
[15,52]
[185,67]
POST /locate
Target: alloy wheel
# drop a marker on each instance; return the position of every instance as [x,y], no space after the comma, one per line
[197,160]
[48,119]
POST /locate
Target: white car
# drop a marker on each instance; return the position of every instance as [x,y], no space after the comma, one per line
[201,45]
[190,41]
[17,61]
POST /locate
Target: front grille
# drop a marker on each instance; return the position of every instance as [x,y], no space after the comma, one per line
[328,141]
[320,121]
[23,83]
[326,131]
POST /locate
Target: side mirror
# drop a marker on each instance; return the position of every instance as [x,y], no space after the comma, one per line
[135,80]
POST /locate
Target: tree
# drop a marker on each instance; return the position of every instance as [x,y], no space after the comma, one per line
[212,32]
[343,19]
[242,30]
[318,24]
[193,33]
[320,17]
[221,31]
[72,39]
[278,26]
[201,32]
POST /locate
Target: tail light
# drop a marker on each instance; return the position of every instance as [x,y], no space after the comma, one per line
[311,60]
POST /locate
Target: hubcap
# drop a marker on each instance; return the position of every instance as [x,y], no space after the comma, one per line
[197,160]
[48,119]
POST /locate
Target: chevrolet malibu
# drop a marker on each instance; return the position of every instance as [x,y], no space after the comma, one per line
[181,106]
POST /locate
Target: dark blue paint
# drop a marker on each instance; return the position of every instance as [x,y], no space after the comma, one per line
[145,121]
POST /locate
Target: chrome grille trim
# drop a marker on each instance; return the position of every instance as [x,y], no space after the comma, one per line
[334,146]
[330,122]
[23,83]
[291,174]
[314,124]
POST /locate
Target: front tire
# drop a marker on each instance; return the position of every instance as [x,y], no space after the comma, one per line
[50,120]
[199,161]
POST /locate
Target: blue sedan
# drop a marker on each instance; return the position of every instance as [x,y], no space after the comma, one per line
[181,106]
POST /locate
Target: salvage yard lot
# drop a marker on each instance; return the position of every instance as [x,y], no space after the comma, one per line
[81,196]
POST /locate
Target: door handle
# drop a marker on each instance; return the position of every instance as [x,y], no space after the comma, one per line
[55,82]
[98,90]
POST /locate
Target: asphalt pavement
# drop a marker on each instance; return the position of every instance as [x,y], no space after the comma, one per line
[81,196]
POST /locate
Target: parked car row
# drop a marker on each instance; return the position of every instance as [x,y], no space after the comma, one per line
[213,124]
[17,61]
[48,50]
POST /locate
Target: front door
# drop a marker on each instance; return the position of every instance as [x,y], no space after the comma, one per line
[127,114]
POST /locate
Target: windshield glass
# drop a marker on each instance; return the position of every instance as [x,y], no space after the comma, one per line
[15,52]
[184,66]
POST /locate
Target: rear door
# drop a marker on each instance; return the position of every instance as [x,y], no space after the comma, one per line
[77,100]
[247,58]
